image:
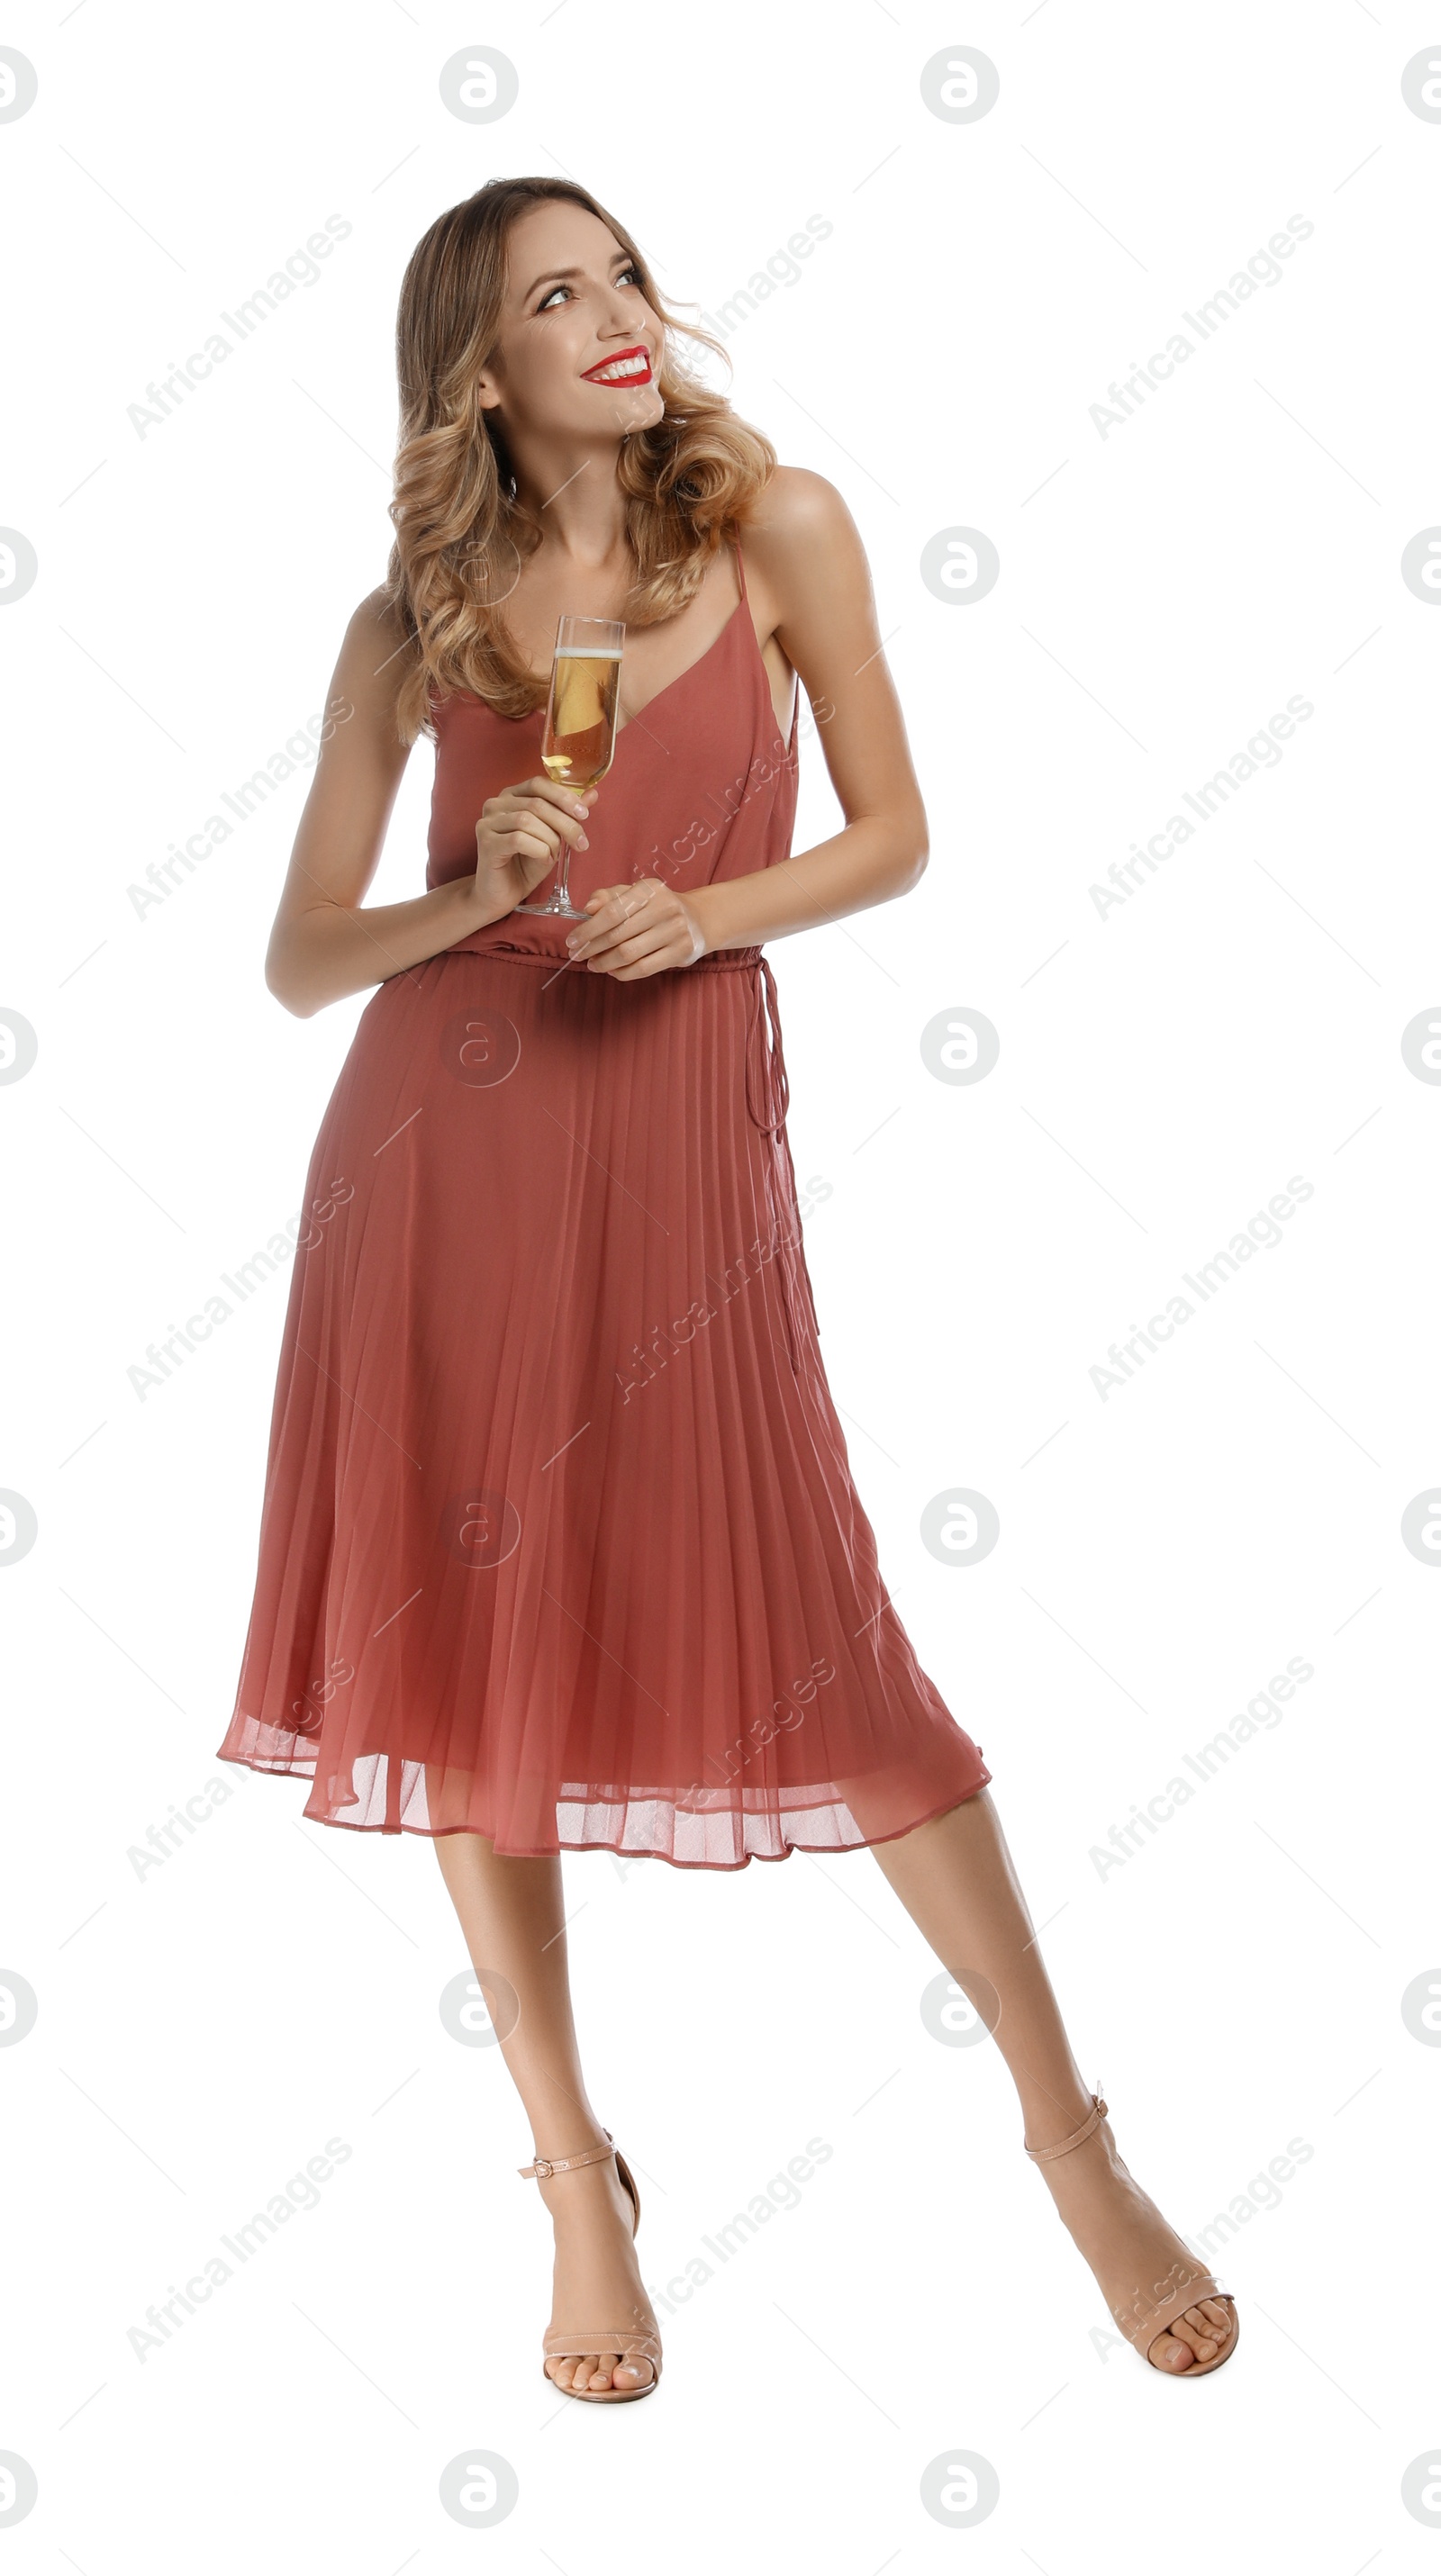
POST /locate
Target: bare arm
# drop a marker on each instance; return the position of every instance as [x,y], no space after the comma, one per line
[806,559]
[805,551]
[324,945]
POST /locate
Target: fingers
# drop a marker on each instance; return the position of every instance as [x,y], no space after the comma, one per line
[571,800]
[615,917]
[534,841]
[539,808]
[544,824]
[642,959]
[646,954]
[565,809]
[618,913]
[636,929]
[525,836]
[582,796]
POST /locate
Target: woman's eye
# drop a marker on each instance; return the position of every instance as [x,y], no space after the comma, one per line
[630,272]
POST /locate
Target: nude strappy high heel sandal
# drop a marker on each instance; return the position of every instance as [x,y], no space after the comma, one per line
[1170,2299]
[632,2346]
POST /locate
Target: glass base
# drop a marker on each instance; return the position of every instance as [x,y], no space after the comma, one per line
[556,907]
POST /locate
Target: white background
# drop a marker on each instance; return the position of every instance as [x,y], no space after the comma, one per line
[1163,1072]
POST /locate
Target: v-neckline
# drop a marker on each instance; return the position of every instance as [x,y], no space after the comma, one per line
[537,714]
[698,664]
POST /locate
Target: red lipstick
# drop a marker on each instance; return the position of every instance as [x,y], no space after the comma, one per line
[619,357]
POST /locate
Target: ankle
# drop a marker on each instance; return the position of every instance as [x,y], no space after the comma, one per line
[574,2199]
[571,2131]
[1053,2121]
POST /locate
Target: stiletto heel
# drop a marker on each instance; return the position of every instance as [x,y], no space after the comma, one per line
[632,2346]
[1151,2317]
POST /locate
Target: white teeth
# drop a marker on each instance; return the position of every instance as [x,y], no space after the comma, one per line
[623,367]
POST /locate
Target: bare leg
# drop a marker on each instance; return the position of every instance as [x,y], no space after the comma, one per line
[512,1915]
[956,1880]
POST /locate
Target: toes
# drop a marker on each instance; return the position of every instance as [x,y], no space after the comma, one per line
[597,2371]
[1197,2336]
[1208,2327]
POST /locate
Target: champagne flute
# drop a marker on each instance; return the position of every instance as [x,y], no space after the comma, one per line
[577,743]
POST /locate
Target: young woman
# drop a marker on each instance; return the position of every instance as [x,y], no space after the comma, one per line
[560,1545]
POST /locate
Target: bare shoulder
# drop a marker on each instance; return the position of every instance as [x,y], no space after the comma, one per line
[378,611]
[797,513]
[376,653]
[803,551]
[376,633]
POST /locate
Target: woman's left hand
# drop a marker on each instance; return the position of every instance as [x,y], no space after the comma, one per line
[635,930]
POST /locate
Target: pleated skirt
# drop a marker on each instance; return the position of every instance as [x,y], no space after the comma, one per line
[560,1543]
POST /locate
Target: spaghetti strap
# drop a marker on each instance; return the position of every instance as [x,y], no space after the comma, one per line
[740,567]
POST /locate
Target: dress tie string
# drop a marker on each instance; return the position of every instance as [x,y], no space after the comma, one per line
[774,1085]
[767,1100]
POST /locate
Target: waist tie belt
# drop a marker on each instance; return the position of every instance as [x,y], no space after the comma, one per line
[773,1086]
[767,1100]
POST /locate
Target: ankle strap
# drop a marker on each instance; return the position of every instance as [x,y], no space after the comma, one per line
[1077,2138]
[545,2166]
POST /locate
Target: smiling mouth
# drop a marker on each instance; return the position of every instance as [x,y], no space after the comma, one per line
[631,367]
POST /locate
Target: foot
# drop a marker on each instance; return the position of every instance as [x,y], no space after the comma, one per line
[1135,2256]
[597,2277]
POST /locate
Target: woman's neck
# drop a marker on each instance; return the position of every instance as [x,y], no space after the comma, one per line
[580,507]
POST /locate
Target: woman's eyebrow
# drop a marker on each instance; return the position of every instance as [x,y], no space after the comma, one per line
[555,276]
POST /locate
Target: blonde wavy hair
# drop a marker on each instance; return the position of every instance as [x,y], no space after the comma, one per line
[460,529]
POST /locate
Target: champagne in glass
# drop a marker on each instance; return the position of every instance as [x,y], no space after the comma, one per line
[577,743]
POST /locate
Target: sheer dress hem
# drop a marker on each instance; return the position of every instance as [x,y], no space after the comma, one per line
[777,1845]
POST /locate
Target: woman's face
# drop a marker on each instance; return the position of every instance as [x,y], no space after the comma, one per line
[574,311]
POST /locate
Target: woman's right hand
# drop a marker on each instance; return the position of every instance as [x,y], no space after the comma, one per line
[518,840]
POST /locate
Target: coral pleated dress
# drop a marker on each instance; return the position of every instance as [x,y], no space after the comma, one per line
[560,1543]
